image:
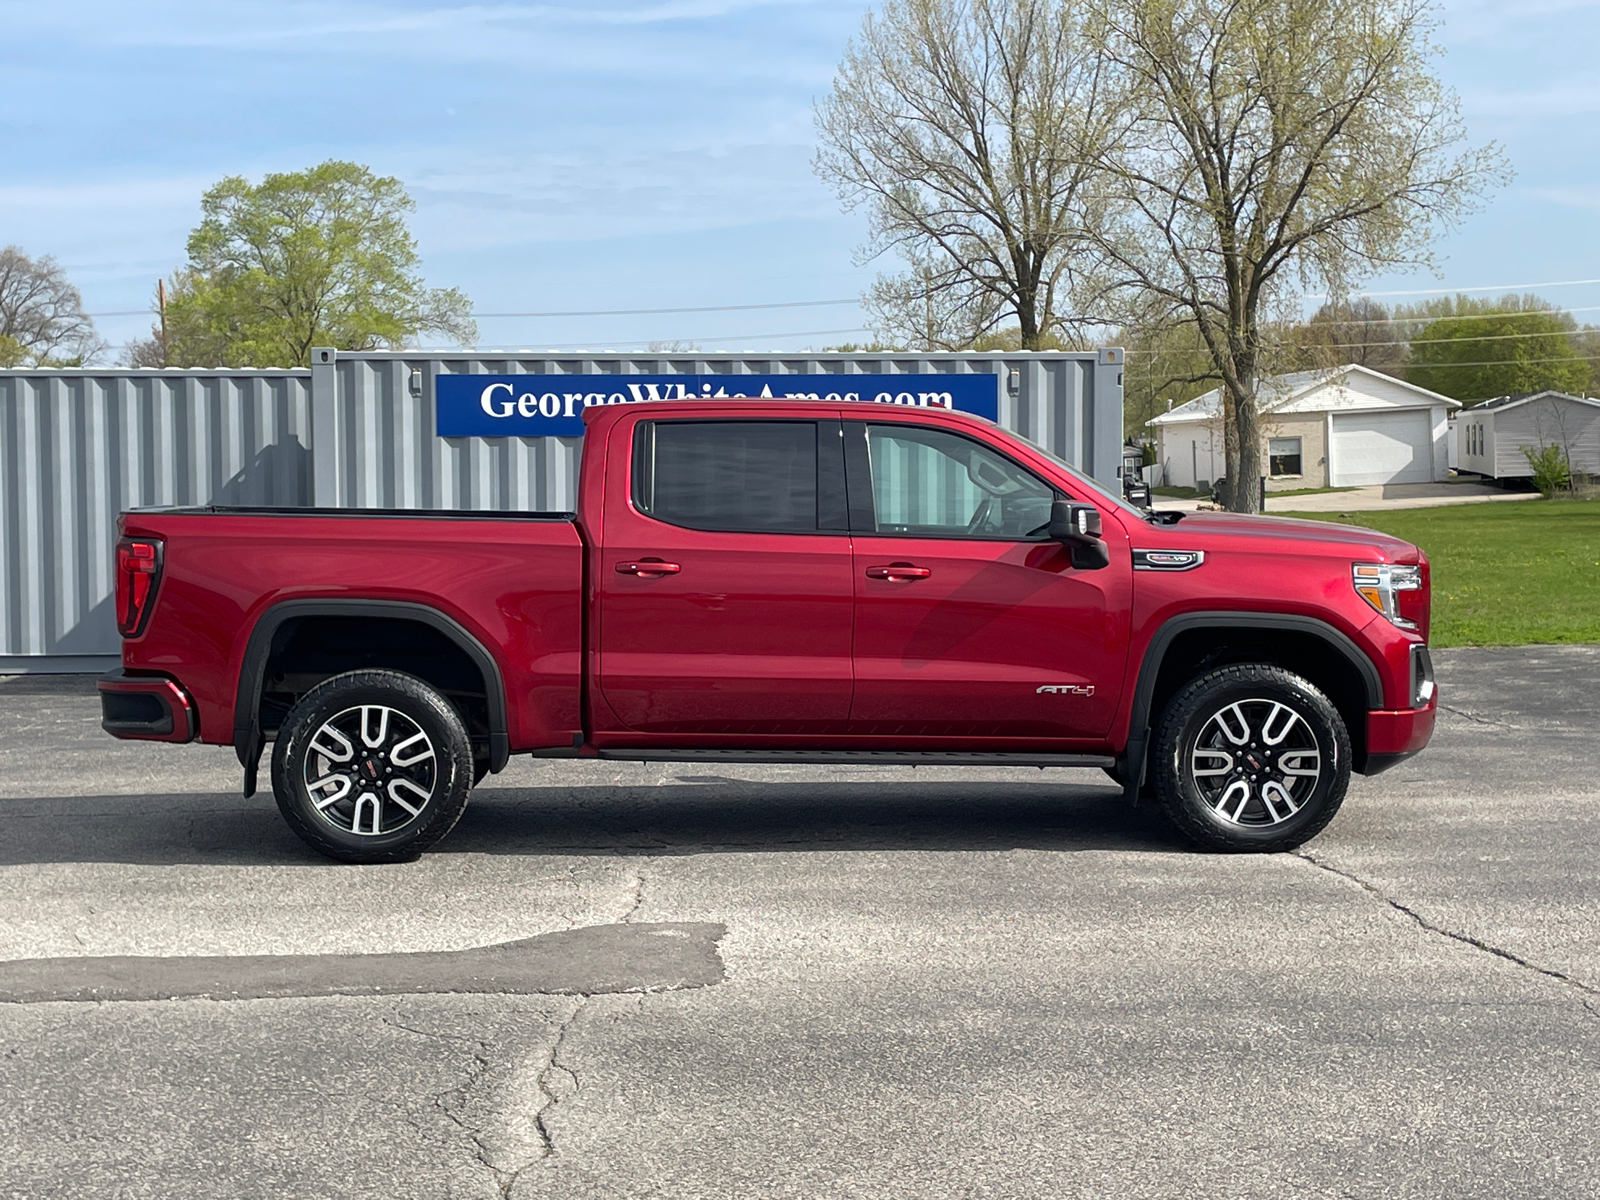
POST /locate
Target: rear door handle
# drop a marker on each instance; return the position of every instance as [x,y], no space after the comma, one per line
[648,566]
[899,572]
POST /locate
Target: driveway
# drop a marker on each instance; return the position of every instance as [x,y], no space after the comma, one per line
[786,982]
[1377,497]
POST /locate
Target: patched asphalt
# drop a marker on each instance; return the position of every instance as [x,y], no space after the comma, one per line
[931,982]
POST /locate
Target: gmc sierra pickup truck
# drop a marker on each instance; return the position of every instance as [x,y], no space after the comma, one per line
[758,581]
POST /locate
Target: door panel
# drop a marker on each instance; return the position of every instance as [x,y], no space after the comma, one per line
[979,632]
[751,633]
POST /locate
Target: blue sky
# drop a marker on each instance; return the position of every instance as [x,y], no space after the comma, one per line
[614,154]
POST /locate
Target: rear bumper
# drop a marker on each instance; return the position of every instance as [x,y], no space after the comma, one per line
[1394,735]
[146,708]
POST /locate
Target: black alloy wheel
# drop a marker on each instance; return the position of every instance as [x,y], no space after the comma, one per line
[1250,758]
[372,766]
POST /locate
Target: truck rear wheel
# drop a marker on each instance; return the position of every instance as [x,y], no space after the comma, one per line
[372,766]
[1251,758]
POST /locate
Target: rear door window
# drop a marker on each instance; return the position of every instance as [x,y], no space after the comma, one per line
[731,476]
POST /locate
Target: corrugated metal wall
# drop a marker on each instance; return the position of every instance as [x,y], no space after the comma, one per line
[356,430]
[79,446]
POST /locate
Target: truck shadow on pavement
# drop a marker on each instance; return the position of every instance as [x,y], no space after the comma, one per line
[705,816]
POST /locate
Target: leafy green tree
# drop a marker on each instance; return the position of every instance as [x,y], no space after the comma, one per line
[1478,349]
[320,257]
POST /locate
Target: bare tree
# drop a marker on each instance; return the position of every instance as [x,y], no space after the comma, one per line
[42,321]
[1360,331]
[968,129]
[1270,143]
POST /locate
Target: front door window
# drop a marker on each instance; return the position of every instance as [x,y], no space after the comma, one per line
[930,483]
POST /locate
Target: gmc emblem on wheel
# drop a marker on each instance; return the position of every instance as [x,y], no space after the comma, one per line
[1065,689]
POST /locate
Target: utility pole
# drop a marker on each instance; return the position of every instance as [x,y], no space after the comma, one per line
[161,303]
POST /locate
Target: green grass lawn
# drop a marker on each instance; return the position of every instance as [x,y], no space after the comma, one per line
[1503,574]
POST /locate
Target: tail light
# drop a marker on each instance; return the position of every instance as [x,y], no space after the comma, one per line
[138,572]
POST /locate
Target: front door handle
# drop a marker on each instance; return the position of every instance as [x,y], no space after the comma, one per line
[648,566]
[899,572]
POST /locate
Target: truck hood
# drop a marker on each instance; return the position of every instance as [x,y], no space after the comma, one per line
[1214,528]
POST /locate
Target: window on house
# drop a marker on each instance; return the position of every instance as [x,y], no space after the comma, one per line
[1283,456]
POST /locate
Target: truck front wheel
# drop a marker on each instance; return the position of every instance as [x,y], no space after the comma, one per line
[372,766]
[1251,757]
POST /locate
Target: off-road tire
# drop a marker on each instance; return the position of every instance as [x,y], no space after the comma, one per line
[1265,778]
[444,773]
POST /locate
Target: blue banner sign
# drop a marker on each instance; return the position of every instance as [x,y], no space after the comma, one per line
[552,405]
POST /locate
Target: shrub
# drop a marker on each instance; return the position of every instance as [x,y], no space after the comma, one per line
[1551,473]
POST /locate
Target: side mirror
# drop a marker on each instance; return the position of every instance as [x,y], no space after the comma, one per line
[1077,527]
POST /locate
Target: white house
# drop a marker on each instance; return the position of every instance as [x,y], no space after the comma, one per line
[1342,427]
[1490,436]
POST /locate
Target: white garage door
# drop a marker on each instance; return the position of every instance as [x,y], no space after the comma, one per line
[1382,447]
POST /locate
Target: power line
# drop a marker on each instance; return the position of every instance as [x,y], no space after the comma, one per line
[1493,362]
[1461,341]
[741,337]
[1503,362]
[1503,312]
[1497,287]
[597,312]
[644,312]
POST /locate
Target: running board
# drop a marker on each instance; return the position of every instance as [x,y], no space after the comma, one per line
[862,758]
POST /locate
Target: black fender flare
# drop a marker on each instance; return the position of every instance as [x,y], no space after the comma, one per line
[1134,755]
[248,738]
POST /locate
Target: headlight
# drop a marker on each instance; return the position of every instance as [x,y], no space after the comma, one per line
[1380,585]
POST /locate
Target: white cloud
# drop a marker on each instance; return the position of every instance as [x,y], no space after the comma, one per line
[101,195]
[1568,197]
[1567,98]
[307,26]
[546,198]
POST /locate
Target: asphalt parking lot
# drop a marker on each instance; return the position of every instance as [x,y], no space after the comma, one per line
[831,982]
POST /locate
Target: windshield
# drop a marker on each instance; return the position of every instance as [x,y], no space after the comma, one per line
[1078,476]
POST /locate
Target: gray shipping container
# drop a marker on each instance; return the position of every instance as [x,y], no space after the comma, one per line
[356,430]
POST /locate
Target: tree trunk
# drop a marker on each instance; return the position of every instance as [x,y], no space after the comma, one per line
[1247,483]
[1027,322]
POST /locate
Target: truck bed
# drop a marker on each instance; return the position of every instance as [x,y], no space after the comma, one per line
[513,581]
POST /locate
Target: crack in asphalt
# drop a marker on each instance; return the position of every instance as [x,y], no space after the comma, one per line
[546,1076]
[446,1102]
[638,898]
[1465,939]
[481,1067]
[1472,716]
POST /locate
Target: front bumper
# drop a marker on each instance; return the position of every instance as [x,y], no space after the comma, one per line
[1394,735]
[146,708]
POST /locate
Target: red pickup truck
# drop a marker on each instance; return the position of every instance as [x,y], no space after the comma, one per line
[758,581]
